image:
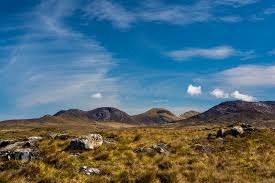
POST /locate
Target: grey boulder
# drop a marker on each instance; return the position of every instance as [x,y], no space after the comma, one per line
[88,142]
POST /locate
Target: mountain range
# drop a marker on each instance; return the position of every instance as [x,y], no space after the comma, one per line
[257,113]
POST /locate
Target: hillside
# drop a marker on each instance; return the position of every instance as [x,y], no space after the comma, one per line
[155,116]
[257,113]
[188,114]
[99,114]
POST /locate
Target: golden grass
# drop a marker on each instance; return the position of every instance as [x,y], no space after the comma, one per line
[247,159]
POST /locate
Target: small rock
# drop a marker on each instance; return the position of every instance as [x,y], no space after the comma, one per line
[64,136]
[249,129]
[237,130]
[21,154]
[221,133]
[144,150]
[89,171]
[88,142]
[161,148]
[35,138]
[4,143]
[245,125]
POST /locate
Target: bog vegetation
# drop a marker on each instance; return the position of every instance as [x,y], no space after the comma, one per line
[190,157]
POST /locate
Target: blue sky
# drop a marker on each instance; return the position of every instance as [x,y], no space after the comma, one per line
[134,55]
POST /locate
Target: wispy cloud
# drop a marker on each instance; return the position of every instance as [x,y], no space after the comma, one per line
[217,53]
[54,65]
[230,19]
[248,75]
[110,11]
[161,12]
[271,52]
[236,3]
[269,11]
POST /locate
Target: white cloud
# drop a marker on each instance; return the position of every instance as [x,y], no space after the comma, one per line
[97,96]
[272,52]
[243,97]
[194,90]
[236,3]
[218,93]
[230,19]
[48,70]
[114,12]
[248,75]
[219,52]
[124,17]
[269,11]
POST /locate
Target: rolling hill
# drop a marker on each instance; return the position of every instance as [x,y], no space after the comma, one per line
[257,113]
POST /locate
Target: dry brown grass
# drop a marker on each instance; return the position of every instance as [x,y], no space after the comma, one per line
[247,159]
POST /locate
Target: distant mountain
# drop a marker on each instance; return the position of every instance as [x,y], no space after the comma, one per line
[189,114]
[155,116]
[257,113]
[99,114]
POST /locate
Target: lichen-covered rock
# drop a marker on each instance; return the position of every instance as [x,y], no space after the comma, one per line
[237,130]
[161,148]
[89,171]
[88,142]
[20,154]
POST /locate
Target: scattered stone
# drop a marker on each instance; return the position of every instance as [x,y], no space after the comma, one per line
[236,131]
[89,171]
[249,129]
[108,141]
[4,143]
[19,154]
[64,136]
[88,142]
[144,150]
[35,138]
[161,148]
[245,125]
[221,133]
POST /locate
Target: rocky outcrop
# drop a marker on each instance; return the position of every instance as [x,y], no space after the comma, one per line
[158,148]
[89,171]
[88,142]
[234,130]
[19,150]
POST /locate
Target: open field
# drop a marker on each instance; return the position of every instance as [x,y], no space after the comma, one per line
[190,156]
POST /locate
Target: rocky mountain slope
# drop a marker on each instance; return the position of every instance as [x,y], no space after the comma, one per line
[258,113]
[99,114]
[188,114]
